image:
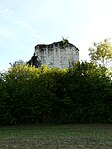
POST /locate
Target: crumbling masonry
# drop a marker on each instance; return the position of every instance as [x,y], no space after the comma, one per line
[58,54]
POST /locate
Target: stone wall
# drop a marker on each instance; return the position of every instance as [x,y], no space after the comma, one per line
[55,55]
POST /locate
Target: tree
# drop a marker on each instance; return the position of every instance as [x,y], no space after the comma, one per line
[91,93]
[18,62]
[101,52]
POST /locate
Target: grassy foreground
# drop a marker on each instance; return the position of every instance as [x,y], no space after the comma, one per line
[56,137]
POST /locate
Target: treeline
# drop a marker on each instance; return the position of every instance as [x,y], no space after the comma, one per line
[82,94]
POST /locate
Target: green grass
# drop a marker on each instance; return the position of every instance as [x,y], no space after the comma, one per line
[56,137]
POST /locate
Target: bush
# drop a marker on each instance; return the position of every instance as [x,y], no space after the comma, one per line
[81,94]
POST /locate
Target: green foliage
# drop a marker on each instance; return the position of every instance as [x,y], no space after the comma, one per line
[64,43]
[82,87]
[81,94]
[101,52]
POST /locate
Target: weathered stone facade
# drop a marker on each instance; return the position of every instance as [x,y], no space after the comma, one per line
[58,54]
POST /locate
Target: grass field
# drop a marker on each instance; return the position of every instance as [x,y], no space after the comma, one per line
[56,137]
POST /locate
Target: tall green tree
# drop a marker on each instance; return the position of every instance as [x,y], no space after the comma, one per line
[81,94]
[101,52]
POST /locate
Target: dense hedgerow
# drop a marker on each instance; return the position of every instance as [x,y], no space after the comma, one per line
[82,94]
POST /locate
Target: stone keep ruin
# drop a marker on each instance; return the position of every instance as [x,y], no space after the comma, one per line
[58,54]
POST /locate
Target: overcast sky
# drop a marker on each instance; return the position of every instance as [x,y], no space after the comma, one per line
[26,23]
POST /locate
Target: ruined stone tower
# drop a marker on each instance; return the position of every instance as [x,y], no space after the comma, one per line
[58,54]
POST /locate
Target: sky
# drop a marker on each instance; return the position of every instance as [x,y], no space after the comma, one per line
[26,23]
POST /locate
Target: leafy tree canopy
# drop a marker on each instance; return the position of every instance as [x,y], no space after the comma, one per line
[101,52]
